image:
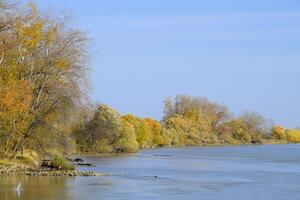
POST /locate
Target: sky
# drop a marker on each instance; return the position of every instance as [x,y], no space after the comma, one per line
[241,53]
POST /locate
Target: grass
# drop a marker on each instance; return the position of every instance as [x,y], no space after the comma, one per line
[6,163]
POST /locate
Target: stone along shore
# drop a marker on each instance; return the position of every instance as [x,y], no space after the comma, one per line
[10,171]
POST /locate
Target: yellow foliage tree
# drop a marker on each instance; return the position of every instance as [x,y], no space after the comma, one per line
[293,135]
[48,61]
[142,132]
[15,99]
[279,133]
[127,140]
[155,130]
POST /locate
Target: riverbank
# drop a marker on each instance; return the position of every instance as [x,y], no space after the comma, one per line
[11,171]
[10,168]
[104,155]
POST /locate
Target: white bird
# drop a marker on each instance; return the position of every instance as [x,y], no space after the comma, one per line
[18,189]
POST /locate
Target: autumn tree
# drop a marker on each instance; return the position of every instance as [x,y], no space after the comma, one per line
[206,113]
[106,131]
[48,58]
[195,118]
[127,141]
[105,125]
[142,132]
[289,135]
[279,133]
[250,127]
[155,130]
[293,135]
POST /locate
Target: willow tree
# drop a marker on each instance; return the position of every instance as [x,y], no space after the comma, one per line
[44,67]
[194,119]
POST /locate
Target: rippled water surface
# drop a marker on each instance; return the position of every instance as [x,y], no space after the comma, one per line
[238,172]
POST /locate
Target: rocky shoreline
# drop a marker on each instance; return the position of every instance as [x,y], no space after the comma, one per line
[8,171]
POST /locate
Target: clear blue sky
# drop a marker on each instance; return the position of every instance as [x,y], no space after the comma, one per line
[243,53]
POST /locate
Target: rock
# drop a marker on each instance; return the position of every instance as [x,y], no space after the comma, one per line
[78,160]
[30,172]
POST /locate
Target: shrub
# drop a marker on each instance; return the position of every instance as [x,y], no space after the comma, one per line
[25,160]
[60,163]
[256,138]
[213,139]
[103,146]
[6,163]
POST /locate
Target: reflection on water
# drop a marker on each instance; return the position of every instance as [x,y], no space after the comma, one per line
[32,187]
[240,172]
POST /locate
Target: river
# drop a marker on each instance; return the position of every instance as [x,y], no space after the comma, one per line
[257,172]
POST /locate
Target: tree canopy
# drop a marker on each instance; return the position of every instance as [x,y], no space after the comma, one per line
[43,74]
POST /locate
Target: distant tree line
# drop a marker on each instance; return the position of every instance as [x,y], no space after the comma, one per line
[187,121]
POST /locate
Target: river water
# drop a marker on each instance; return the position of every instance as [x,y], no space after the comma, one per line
[258,172]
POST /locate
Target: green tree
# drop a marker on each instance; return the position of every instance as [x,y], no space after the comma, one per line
[127,141]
